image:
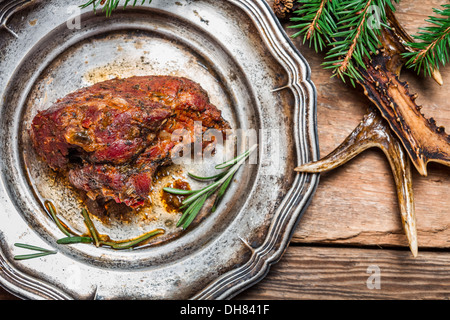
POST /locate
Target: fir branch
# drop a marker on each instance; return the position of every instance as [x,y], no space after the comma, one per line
[108,6]
[433,47]
[348,29]
[355,37]
[359,27]
[315,22]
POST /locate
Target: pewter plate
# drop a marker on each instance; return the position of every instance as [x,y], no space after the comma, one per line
[238,52]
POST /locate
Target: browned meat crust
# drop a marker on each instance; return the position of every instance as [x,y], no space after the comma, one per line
[111,137]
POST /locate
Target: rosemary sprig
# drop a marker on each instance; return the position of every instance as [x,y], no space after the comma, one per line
[118,245]
[51,208]
[96,238]
[197,198]
[128,244]
[33,255]
[108,6]
[192,205]
[90,225]
[42,252]
[76,239]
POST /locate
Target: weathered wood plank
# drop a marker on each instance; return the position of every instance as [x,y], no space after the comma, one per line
[326,273]
[342,273]
[5,295]
[357,204]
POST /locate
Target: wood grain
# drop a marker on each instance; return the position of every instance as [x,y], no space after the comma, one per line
[353,221]
[356,204]
[342,274]
[5,295]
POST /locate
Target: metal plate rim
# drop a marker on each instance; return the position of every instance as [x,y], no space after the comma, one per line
[307,149]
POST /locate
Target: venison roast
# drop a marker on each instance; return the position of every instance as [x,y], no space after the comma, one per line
[111,137]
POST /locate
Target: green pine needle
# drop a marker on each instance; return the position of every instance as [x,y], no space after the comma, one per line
[347,29]
[108,6]
[315,22]
[433,45]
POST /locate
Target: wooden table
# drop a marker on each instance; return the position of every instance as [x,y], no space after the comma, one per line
[352,229]
[353,225]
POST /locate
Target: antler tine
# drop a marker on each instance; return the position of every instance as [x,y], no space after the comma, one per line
[422,139]
[361,139]
[373,131]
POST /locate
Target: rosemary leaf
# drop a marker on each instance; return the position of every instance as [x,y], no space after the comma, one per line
[51,208]
[193,204]
[33,255]
[188,211]
[134,242]
[237,159]
[31,247]
[71,240]
[217,176]
[179,191]
[195,211]
[43,252]
[91,227]
[221,192]
[203,191]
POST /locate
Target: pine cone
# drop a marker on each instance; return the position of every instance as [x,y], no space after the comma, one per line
[282,7]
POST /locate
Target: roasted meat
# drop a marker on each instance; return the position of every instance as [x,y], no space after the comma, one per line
[111,137]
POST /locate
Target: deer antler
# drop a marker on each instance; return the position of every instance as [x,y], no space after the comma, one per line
[373,131]
[416,139]
[423,140]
